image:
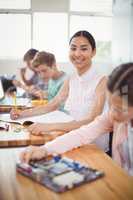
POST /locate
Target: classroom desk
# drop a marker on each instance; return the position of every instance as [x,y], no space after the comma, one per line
[116,185]
[7,103]
[15,139]
[11,138]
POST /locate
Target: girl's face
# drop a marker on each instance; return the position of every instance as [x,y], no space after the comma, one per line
[44,71]
[119,109]
[81,53]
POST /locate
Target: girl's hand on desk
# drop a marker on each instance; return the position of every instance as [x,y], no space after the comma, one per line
[39,128]
[33,153]
[15,114]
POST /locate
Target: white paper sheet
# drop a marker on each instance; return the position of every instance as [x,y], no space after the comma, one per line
[52,117]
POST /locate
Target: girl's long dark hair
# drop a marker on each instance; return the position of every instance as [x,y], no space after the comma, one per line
[121,81]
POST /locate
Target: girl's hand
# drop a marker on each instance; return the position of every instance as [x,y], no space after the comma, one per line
[33,153]
[15,114]
[39,128]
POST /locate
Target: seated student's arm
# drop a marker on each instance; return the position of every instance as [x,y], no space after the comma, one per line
[37,92]
[40,94]
[76,138]
[51,106]
[31,89]
[21,85]
[22,74]
[40,128]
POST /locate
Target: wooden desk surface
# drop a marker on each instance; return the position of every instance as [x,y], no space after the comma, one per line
[116,185]
[13,139]
[16,139]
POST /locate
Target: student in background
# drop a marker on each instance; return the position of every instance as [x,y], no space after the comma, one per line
[45,65]
[119,119]
[83,93]
[27,73]
[29,79]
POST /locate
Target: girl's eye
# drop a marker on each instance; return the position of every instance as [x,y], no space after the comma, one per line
[84,49]
[73,48]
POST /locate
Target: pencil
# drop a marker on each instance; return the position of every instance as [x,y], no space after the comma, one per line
[15,100]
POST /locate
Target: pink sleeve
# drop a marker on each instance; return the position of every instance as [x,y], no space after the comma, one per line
[84,135]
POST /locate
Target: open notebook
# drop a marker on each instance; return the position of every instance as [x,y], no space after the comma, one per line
[52,117]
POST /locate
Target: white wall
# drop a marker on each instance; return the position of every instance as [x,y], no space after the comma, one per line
[11,67]
[50,5]
[122,31]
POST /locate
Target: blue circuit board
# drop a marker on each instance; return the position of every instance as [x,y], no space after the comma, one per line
[59,173]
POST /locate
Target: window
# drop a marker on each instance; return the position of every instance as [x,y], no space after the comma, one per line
[95,6]
[15,4]
[23,27]
[15,35]
[98,27]
[50,33]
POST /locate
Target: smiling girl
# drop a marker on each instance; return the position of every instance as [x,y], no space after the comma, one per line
[83,93]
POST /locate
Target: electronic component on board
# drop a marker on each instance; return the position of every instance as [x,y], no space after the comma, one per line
[59,173]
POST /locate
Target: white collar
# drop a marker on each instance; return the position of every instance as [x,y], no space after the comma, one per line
[88,75]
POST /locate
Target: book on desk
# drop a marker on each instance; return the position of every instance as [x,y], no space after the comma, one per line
[51,117]
[19,136]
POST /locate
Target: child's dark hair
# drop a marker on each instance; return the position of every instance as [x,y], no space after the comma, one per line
[87,35]
[43,57]
[30,54]
[8,85]
[121,81]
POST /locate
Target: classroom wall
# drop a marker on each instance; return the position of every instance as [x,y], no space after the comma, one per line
[122,46]
[50,5]
[10,67]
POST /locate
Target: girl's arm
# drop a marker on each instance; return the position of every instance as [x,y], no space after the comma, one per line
[69,126]
[76,138]
[97,109]
[52,105]
[84,135]
[22,74]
